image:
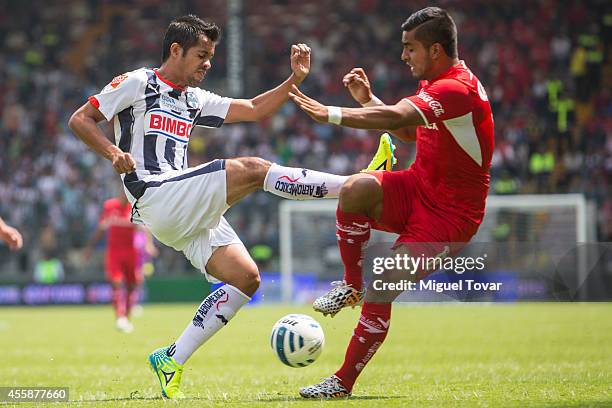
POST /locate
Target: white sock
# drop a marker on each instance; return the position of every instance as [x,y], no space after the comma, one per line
[213,314]
[302,184]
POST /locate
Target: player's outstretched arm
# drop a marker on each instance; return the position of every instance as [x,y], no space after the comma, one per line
[358,84]
[382,117]
[93,240]
[84,124]
[11,236]
[251,110]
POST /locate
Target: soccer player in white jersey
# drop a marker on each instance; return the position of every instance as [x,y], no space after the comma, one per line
[154,111]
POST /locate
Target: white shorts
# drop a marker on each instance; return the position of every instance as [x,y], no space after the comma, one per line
[201,248]
[184,209]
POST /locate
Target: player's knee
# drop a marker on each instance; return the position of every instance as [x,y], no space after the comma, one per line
[359,193]
[253,169]
[252,281]
[248,280]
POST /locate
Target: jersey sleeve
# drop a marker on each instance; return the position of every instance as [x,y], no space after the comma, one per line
[214,109]
[119,94]
[443,100]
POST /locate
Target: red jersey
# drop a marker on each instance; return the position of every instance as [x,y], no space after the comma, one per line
[455,146]
[120,234]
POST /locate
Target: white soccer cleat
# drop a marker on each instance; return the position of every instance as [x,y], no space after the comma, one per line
[124,325]
[342,295]
[330,387]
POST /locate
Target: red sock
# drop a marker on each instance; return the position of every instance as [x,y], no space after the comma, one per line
[118,298]
[131,299]
[367,338]
[353,232]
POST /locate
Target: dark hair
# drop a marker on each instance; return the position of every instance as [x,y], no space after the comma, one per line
[434,25]
[186,31]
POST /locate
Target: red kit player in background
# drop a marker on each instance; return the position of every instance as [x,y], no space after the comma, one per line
[439,200]
[123,258]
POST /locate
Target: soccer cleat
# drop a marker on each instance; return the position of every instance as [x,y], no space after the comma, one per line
[168,372]
[330,387]
[124,325]
[384,158]
[342,295]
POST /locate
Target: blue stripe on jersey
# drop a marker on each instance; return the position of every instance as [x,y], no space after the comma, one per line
[152,91]
[209,121]
[169,153]
[126,122]
[137,187]
[149,146]
[159,132]
[150,153]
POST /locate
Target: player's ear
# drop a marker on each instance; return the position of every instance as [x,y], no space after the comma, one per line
[435,51]
[176,50]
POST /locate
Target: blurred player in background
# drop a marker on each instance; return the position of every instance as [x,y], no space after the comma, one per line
[154,112]
[11,236]
[439,201]
[126,246]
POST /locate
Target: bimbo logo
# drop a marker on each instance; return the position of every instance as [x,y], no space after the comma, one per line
[169,124]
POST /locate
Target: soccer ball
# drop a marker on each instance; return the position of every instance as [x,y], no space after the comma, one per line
[297,340]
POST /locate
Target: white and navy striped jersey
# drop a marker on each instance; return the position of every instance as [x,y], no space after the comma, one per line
[153,118]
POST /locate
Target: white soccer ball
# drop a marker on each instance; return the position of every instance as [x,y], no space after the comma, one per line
[297,340]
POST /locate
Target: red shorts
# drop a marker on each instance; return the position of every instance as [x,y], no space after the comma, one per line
[123,266]
[419,224]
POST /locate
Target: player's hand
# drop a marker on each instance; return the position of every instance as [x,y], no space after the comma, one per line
[313,108]
[300,60]
[123,162]
[358,85]
[12,237]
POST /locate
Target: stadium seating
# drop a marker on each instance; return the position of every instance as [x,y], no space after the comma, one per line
[546,69]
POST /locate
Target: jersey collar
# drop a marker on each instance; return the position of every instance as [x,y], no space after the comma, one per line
[459,65]
[167,82]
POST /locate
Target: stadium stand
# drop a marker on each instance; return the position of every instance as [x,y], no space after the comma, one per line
[546,68]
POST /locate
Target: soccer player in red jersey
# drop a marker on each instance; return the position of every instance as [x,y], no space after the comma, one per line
[123,261]
[437,202]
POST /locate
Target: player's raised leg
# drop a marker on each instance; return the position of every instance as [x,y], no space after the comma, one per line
[360,204]
[233,265]
[247,174]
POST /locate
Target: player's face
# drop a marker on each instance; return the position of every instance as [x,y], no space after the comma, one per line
[415,55]
[197,60]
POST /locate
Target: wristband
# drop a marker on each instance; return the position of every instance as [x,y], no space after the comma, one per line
[373,102]
[334,115]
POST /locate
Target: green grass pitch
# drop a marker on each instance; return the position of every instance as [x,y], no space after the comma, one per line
[439,355]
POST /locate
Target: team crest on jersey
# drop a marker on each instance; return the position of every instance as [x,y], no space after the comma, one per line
[161,122]
[192,101]
[118,80]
